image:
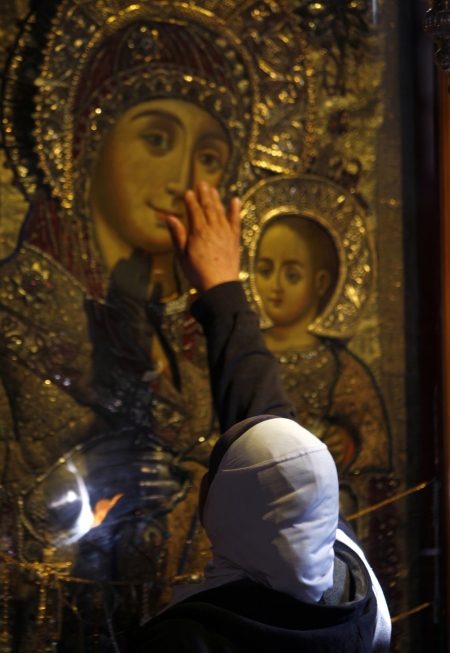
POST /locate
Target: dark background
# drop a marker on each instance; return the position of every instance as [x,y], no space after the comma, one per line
[419,77]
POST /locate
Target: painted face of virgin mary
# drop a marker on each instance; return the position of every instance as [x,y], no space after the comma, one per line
[154,153]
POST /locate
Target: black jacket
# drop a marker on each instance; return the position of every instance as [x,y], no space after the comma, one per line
[244,616]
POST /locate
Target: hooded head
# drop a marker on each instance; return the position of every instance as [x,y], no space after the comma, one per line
[272,508]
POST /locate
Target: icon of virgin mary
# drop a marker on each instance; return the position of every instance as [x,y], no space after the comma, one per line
[111,111]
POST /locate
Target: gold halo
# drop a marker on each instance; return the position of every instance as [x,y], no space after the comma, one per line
[335,209]
[264,32]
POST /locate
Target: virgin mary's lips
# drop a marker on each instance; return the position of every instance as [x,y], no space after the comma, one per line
[162,214]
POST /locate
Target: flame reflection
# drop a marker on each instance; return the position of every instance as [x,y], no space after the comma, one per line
[102,508]
[87,519]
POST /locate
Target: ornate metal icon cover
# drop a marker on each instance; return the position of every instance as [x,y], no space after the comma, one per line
[261,89]
[109,448]
[292,99]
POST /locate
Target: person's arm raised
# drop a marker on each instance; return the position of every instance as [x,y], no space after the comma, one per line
[245,378]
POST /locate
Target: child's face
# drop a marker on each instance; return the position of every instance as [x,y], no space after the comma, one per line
[287,282]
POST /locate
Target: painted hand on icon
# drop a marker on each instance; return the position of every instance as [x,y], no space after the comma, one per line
[340,444]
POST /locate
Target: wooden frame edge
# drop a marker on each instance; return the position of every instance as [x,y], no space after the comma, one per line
[444,144]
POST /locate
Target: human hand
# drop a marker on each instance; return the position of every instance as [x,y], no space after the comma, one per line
[208,250]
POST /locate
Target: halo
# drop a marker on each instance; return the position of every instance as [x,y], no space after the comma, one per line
[337,211]
[275,77]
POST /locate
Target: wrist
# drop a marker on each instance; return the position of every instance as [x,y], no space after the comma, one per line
[218,302]
[213,281]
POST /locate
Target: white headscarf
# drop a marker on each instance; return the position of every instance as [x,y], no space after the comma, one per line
[271,513]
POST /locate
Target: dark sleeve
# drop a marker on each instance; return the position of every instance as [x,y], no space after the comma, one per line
[245,377]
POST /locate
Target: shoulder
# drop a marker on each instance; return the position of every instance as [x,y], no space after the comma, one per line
[37,275]
[347,547]
[37,290]
[246,616]
[349,362]
[183,634]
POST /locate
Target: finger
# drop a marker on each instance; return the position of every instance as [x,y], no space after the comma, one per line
[196,215]
[235,215]
[178,234]
[206,201]
[218,206]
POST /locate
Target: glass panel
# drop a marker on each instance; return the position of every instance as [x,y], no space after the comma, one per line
[110,111]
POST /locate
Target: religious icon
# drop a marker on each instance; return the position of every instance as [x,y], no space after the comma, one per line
[311,267]
[104,371]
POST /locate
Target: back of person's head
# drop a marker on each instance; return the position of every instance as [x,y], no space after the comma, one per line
[272,509]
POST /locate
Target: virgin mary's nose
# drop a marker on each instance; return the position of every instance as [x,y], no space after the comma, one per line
[181,179]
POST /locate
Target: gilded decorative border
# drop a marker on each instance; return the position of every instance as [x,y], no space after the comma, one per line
[264,33]
[339,213]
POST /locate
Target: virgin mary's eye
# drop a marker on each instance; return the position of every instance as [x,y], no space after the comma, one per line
[210,160]
[158,140]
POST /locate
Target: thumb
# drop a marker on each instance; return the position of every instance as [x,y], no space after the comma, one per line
[235,215]
[178,234]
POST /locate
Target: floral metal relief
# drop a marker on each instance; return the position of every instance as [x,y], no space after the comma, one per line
[103,370]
